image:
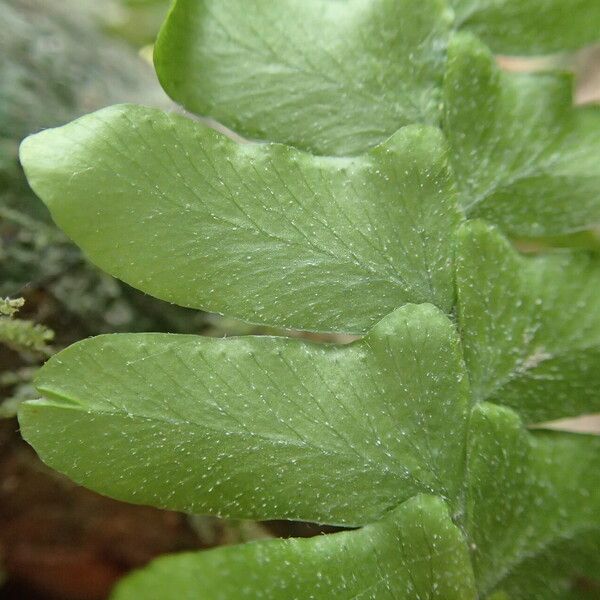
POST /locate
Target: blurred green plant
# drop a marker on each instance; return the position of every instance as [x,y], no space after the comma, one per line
[22,335]
[29,340]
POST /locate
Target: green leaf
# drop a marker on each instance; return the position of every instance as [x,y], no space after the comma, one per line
[524,158]
[530,326]
[260,427]
[530,26]
[262,232]
[566,570]
[334,78]
[339,77]
[415,552]
[532,499]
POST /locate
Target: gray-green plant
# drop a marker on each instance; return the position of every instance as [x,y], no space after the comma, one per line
[401,165]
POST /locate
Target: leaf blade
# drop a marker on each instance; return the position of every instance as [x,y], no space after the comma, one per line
[329,77]
[347,422]
[522,154]
[264,233]
[512,474]
[532,27]
[414,551]
[530,326]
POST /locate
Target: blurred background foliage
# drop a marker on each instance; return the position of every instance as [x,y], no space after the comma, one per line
[60,59]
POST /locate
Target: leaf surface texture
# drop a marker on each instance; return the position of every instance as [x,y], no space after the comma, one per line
[415,552]
[189,216]
[259,424]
